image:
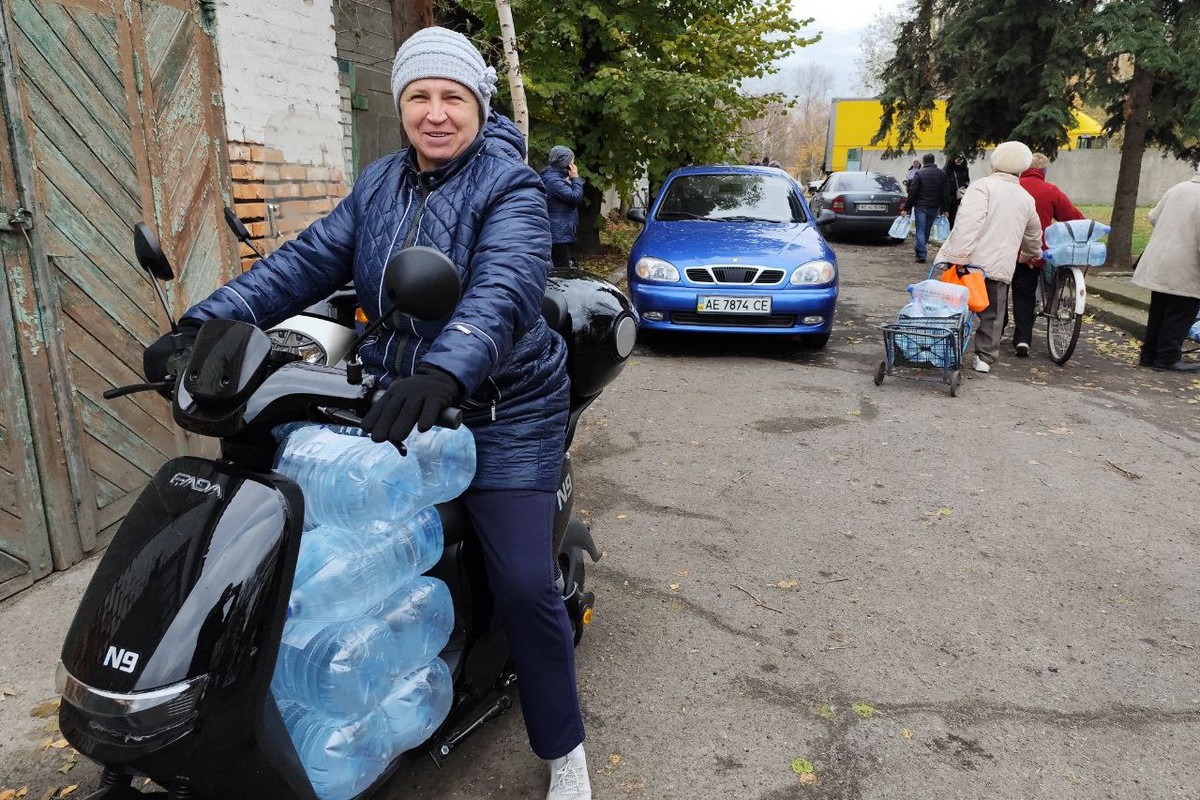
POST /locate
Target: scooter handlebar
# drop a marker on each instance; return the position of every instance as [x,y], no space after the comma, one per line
[448,418]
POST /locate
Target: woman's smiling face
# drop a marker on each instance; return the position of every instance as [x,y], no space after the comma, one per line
[440,118]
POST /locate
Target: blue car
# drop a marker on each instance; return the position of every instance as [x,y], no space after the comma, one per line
[733,249]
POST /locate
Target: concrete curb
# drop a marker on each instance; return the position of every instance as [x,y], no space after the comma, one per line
[1113,300]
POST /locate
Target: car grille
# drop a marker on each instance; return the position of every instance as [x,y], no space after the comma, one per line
[742,275]
[740,320]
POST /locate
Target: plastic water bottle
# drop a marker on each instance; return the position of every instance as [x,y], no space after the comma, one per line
[418,704]
[342,668]
[342,573]
[347,479]
[341,756]
[939,295]
[420,616]
[447,460]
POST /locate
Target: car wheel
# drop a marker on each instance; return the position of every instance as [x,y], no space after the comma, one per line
[815,341]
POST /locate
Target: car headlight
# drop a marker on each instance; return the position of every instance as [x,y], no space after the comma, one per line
[655,269]
[813,272]
[295,342]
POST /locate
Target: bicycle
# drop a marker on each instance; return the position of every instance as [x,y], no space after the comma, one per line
[1064,285]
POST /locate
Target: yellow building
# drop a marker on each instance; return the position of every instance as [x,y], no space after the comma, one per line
[854,121]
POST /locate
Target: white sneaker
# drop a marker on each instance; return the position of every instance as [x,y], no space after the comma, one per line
[1023,350]
[569,777]
[981,365]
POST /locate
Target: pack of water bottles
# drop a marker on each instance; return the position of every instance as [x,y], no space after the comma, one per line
[1076,242]
[358,679]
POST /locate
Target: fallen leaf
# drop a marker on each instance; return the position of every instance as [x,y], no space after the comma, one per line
[906,733]
[945,512]
[59,744]
[620,516]
[48,708]
[788,584]
[674,587]
[68,790]
[8,794]
[824,711]
[682,573]
[808,777]
[802,766]
[614,759]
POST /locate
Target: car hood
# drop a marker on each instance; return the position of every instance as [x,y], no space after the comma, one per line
[690,243]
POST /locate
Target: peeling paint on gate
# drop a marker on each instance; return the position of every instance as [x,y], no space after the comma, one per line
[28,324]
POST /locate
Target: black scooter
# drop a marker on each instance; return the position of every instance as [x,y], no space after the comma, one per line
[166,668]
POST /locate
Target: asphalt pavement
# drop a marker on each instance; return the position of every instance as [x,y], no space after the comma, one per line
[34,623]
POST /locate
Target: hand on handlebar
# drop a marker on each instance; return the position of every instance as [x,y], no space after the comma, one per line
[415,400]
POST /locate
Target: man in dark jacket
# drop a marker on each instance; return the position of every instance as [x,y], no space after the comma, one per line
[926,194]
[1053,205]
[564,194]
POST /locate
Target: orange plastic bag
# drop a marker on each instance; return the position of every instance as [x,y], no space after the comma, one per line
[977,297]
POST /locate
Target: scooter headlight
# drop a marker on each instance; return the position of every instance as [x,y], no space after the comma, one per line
[135,718]
[309,350]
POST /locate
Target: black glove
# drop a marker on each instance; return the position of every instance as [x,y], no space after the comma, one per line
[414,400]
[170,353]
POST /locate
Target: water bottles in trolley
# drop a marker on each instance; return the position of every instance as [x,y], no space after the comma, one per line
[348,479]
[340,667]
[341,573]
[341,756]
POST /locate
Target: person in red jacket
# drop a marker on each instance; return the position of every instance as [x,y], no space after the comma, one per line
[1053,205]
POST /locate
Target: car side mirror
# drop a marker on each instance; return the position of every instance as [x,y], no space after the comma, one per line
[824,217]
[636,215]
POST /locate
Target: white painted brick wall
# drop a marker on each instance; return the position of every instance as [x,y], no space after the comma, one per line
[279,75]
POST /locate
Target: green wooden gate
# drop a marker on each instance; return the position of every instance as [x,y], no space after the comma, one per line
[112,116]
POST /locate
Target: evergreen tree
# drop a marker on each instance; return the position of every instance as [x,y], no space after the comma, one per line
[1015,69]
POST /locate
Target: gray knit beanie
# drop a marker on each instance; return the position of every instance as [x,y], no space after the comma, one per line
[561,156]
[443,53]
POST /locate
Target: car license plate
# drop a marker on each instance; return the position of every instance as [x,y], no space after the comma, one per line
[733,305]
[872,207]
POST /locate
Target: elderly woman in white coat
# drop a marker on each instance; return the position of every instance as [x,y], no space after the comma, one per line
[1170,269]
[997,225]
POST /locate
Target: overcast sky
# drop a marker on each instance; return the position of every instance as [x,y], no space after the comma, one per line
[841,23]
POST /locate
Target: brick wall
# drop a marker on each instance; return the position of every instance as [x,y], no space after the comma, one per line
[277,198]
[283,113]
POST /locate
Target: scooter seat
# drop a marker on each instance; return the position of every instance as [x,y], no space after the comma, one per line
[454,521]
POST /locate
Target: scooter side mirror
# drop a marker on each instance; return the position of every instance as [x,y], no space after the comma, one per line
[236,225]
[418,281]
[150,253]
[422,282]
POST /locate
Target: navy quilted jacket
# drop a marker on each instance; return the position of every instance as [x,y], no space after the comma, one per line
[563,196]
[486,210]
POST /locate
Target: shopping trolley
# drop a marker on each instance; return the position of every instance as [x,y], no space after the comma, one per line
[927,348]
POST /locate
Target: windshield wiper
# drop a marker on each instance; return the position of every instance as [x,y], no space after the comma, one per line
[665,215]
[744,218]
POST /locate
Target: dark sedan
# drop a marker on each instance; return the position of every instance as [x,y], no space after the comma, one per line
[865,202]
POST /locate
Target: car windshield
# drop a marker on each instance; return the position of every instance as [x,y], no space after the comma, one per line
[733,198]
[866,182]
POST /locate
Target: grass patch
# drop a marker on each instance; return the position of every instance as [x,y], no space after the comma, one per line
[1141,224]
